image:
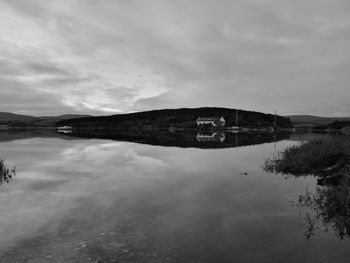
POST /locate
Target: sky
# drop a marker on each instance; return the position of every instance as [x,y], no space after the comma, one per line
[116,56]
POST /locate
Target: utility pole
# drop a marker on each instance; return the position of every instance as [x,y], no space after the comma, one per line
[236,118]
[275,143]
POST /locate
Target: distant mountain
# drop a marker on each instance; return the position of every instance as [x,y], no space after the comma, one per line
[177,118]
[6,116]
[336,125]
[309,120]
[18,120]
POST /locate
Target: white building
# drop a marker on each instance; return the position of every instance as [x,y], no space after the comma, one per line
[214,121]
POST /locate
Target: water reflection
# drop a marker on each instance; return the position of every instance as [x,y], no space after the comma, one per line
[77,200]
[211,137]
[184,139]
[327,208]
[22,134]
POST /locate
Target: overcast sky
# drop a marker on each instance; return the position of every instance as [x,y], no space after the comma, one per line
[115,56]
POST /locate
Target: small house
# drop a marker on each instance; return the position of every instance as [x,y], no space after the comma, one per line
[214,121]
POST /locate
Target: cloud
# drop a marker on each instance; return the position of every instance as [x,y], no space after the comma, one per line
[121,56]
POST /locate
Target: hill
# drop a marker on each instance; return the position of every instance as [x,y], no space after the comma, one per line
[6,117]
[336,125]
[17,120]
[179,118]
[311,121]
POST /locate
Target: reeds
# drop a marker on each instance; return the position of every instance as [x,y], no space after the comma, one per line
[308,157]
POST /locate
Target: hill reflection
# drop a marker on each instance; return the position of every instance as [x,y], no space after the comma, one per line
[21,134]
[184,139]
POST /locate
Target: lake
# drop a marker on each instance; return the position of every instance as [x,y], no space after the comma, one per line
[193,198]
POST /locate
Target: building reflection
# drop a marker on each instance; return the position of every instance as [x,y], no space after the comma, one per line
[213,137]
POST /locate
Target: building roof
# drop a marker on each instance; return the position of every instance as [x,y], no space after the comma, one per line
[209,119]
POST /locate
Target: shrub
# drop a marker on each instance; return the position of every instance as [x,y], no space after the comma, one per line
[6,174]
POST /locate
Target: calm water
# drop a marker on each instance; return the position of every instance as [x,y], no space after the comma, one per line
[100,200]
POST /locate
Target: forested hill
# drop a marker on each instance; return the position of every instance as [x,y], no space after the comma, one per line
[17,120]
[185,117]
[309,120]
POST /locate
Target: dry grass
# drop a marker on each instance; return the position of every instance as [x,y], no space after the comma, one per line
[309,157]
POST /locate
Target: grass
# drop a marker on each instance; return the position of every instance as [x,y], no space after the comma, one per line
[309,157]
[331,202]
